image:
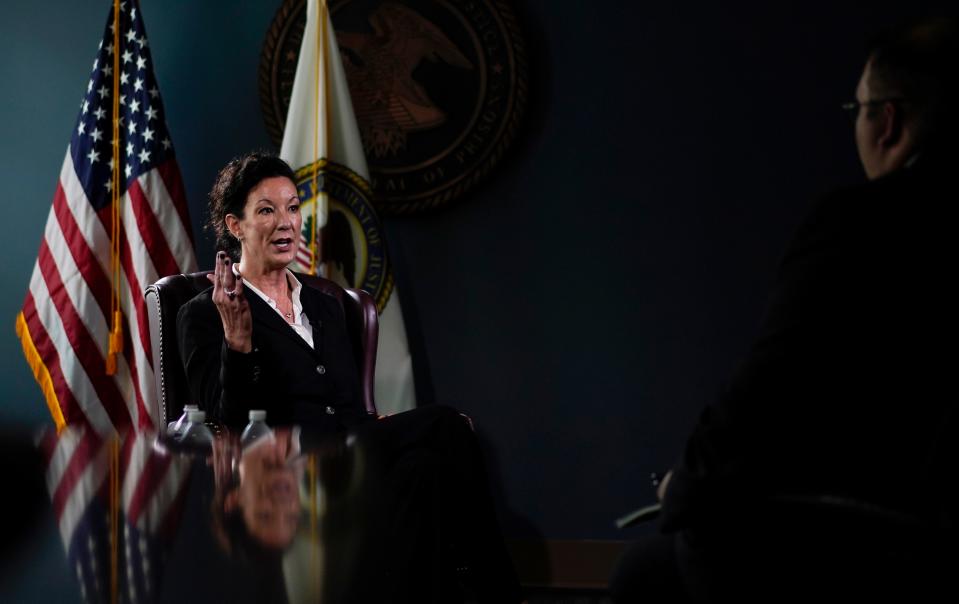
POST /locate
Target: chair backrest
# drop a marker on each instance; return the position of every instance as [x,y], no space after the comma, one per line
[166,296]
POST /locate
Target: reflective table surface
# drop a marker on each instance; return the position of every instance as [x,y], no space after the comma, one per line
[290,517]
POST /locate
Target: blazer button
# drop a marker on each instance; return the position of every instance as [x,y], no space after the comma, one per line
[320,369]
[330,410]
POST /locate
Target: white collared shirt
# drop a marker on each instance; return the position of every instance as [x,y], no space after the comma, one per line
[301,323]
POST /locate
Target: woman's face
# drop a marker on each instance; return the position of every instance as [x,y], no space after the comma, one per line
[269,231]
[269,492]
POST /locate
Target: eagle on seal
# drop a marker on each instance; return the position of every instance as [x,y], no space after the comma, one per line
[389,104]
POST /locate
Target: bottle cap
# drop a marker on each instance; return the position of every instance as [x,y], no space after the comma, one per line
[190,407]
[196,416]
[257,415]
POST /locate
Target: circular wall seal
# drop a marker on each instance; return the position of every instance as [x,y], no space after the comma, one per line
[353,249]
[438,88]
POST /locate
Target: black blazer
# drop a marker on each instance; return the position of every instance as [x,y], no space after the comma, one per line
[847,390]
[283,375]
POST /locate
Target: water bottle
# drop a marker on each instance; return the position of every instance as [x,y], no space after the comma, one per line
[196,434]
[256,429]
[176,428]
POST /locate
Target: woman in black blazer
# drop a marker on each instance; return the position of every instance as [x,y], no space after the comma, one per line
[259,339]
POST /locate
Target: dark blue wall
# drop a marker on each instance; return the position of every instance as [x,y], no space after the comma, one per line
[584,303]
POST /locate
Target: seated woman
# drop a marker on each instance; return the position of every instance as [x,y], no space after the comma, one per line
[259,338]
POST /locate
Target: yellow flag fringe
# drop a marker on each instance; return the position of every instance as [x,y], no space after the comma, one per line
[40,372]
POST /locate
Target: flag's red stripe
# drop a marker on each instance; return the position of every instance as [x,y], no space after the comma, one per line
[170,173]
[71,410]
[83,344]
[82,458]
[151,476]
[152,232]
[97,282]
[139,307]
[136,292]
[143,321]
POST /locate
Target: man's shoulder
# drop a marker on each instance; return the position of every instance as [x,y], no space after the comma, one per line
[893,196]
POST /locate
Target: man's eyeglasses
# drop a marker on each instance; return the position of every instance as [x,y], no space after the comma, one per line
[852,107]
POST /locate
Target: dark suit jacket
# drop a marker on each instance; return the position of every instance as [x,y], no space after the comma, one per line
[848,389]
[293,383]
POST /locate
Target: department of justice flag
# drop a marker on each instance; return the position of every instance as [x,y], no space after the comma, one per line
[342,237]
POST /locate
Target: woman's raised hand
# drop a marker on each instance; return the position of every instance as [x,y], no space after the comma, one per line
[230,301]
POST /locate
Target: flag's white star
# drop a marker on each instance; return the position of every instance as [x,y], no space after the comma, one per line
[141,63]
[154,92]
[99,113]
[147,135]
[123,99]
[112,28]
[138,85]
[124,78]
[81,128]
[109,183]
[144,156]
[151,113]
[96,62]
[142,42]
[131,35]
[132,128]
[96,135]
[89,86]
[127,56]
[135,106]
[110,47]
[128,170]
[123,6]
[86,106]
[107,71]
[110,163]
[93,156]
[129,148]
[166,143]
[103,91]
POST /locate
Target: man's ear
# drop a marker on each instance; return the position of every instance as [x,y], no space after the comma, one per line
[892,125]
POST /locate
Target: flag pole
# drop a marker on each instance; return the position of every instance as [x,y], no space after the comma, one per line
[316,241]
[115,344]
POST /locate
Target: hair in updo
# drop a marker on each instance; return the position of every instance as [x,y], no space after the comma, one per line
[231,188]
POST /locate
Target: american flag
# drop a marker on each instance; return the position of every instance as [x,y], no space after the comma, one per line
[149,503]
[65,322]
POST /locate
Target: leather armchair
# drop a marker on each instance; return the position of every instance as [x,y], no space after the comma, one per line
[166,296]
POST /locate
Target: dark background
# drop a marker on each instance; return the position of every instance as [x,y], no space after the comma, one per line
[587,300]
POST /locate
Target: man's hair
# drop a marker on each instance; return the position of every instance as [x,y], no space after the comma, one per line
[233,184]
[919,63]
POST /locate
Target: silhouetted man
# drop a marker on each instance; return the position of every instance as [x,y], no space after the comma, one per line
[828,468]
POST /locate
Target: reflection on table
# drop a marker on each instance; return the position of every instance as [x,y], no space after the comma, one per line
[288,517]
